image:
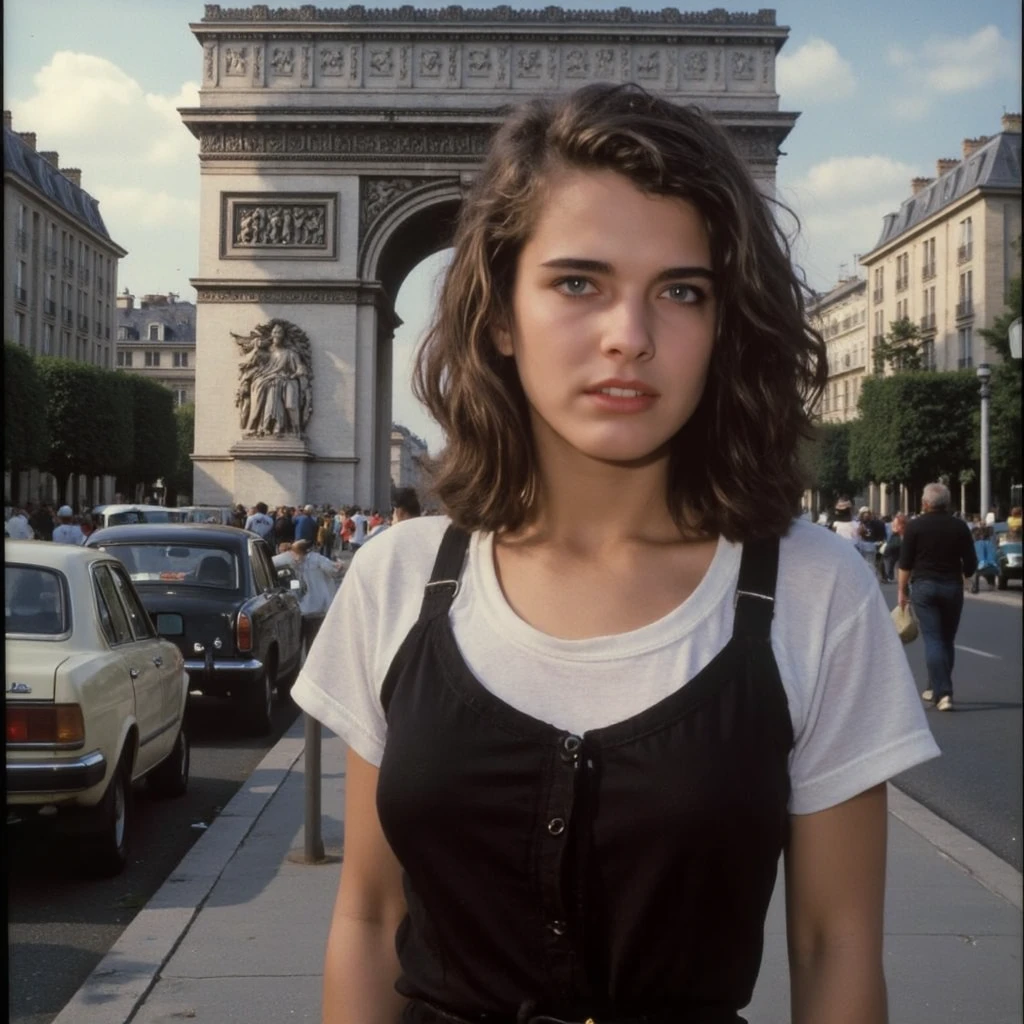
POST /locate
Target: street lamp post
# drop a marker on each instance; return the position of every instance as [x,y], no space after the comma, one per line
[984,375]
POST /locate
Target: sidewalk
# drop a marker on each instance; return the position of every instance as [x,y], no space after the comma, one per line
[236,934]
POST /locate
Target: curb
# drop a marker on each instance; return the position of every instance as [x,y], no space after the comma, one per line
[122,980]
[994,873]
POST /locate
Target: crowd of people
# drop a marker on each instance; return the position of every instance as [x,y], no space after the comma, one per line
[42,521]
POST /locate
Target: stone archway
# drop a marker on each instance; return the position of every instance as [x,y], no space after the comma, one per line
[334,148]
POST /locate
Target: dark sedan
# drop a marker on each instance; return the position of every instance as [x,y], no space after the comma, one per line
[213,591]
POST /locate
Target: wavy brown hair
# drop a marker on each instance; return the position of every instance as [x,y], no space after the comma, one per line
[734,467]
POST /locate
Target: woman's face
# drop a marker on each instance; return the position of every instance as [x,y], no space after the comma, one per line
[613,317]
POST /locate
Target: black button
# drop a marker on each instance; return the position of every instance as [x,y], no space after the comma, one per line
[558,927]
[556,826]
[572,744]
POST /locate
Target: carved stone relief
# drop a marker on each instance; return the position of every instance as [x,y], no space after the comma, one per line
[353,63]
[235,60]
[274,397]
[742,66]
[257,65]
[528,64]
[277,226]
[275,295]
[648,64]
[767,60]
[604,63]
[576,63]
[380,193]
[209,61]
[478,63]
[282,60]
[695,65]
[332,62]
[430,63]
[382,62]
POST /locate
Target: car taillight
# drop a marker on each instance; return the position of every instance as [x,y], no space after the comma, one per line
[243,632]
[52,723]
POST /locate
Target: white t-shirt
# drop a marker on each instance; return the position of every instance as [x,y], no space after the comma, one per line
[857,718]
[68,533]
[18,528]
[262,524]
[847,529]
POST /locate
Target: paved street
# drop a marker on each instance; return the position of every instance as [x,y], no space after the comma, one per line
[60,926]
[976,784]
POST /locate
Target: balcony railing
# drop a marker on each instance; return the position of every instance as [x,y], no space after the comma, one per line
[927,271]
[68,317]
[83,275]
[49,307]
[965,252]
[68,267]
[928,322]
[964,309]
[20,295]
[902,283]
[50,256]
[83,322]
[21,240]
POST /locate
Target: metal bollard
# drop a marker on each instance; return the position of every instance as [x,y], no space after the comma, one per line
[314,846]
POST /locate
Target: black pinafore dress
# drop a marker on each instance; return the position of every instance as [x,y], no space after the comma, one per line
[621,875]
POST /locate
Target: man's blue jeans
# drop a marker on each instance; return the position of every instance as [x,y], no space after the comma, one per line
[937,604]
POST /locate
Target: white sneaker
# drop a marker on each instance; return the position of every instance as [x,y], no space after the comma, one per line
[928,696]
[945,704]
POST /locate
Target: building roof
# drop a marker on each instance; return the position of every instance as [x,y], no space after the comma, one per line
[178,318]
[993,166]
[22,160]
[846,288]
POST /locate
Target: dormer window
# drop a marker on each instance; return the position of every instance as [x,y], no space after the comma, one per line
[155,332]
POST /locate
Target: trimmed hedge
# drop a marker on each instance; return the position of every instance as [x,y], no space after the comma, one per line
[26,431]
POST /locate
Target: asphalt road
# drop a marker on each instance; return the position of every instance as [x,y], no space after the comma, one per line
[60,926]
[976,784]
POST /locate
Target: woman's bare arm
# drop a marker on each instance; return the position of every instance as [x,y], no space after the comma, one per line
[361,966]
[835,893]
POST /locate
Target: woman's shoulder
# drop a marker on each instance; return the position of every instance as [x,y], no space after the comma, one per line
[813,559]
[402,555]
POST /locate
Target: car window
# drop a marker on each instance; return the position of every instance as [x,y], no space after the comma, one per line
[35,601]
[142,625]
[113,617]
[262,568]
[184,565]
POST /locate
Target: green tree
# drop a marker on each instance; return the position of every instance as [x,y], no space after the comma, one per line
[180,480]
[154,431]
[1004,448]
[89,411]
[998,335]
[915,428]
[26,432]
[829,461]
[900,348]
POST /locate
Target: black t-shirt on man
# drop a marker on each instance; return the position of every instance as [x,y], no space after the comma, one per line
[936,546]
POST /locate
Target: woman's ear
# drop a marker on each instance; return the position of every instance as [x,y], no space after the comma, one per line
[503,341]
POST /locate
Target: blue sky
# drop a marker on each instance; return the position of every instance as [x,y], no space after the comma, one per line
[883,89]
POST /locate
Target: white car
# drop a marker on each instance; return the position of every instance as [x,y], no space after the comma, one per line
[95,699]
[116,515]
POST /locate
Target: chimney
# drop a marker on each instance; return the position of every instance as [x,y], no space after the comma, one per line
[919,184]
[944,164]
[126,301]
[29,138]
[51,158]
[1010,123]
[73,174]
[970,145]
[8,124]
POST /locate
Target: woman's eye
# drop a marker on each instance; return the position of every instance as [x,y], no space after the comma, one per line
[573,285]
[684,293]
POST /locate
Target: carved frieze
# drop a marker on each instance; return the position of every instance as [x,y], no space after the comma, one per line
[329,143]
[210,63]
[695,65]
[277,295]
[236,60]
[742,65]
[377,194]
[278,226]
[430,63]
[282,60]
[604,63]
[478,63]
[382,61]
[332,62]
[648,64]
[577,64]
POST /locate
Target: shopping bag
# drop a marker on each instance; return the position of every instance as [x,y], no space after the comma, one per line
[905,622]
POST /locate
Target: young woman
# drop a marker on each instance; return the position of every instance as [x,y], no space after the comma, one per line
[589,709]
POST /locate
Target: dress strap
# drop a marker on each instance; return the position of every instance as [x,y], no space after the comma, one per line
[754,600]
[444,578]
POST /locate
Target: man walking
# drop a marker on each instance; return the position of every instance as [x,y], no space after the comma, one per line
[259,522]
[936,556]
[68,532]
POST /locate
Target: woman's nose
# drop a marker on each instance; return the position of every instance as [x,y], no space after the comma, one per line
[627,330]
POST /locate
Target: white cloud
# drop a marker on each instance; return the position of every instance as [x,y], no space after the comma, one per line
[946,65]
[841,203]
[814,73]
[136,158]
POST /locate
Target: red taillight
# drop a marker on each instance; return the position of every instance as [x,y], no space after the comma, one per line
[243,632]
[52,723]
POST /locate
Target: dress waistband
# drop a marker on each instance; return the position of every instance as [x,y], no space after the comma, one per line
[419,1011]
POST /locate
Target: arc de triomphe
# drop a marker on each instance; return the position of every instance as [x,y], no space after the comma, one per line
[334,146]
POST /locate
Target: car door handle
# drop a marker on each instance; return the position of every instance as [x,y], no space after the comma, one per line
[158,661]
[134,673]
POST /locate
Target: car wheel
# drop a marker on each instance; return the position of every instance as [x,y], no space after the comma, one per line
[1002,582]
[170,777]
[106,851]
[259,702]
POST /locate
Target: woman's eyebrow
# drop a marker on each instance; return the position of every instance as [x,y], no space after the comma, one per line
[601,267]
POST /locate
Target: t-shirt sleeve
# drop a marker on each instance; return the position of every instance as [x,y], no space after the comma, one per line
[865,722]
[337,684]
[908,549]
